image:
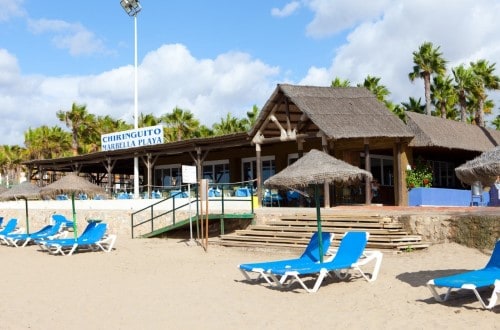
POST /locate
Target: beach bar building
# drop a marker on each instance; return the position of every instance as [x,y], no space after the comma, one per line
[348,123]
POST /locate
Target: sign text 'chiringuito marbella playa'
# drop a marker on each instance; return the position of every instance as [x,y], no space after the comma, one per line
[132,138]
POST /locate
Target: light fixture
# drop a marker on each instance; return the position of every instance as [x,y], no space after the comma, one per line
[131,7]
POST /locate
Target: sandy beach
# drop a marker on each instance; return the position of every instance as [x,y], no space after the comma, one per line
[165,283]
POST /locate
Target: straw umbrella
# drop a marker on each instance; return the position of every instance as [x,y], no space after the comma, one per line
[484,168]
[25,190]
[72,184]
[317,168]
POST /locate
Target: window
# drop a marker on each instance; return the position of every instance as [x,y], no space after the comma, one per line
[443,174]
[249,168]
[216,171]
[166,176]
[381,167]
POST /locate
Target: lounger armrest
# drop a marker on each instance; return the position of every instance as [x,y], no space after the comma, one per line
[369,256]
[107,243]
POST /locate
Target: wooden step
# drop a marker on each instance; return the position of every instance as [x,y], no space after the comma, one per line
[345,224]
[294,231]
[261,239]
[262,233]
[373,231]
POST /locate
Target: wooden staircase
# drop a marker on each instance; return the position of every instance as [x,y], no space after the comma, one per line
[294,230]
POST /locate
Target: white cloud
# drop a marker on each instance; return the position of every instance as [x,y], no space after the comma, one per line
[210,88]
[9,69]
[11,8]
[168,77]
[72,36]
[286,11]
[331,17]
[382,45]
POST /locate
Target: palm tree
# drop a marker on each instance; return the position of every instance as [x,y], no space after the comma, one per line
[338,82]
[229,125]
[180,123]
[79,121]
[374,86]
[463,79]
[251,117]
[398,110]
[148,120]
[496,123]
[107,124]
[47,142]
[428,61]
[484,79]
[33,147]
[204,132]
[10,161]
[413,105]
[444,96]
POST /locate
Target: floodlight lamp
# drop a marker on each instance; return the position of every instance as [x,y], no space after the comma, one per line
[131,7]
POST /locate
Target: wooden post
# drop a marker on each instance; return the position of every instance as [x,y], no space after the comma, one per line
[258,161]
[368,184]
[203,192]
[402,157]
[326,186]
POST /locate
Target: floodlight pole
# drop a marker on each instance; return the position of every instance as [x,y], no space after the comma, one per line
[132,8]
[136,111]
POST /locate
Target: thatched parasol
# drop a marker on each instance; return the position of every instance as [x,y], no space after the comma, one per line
[25,190]
[484,168]
[72,184]
[317,168]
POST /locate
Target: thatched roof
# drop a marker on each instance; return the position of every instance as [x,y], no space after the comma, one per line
[316,167]
[340,113]
[72,183]
[25,190]
[444,133]
[484,168]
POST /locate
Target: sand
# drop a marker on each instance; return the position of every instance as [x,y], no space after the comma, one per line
[166,284]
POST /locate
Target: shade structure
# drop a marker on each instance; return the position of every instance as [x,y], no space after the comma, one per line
[25,190]
[484,168]
[72,184]
[317,168]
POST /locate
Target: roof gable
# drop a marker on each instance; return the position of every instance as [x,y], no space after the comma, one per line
[340,113]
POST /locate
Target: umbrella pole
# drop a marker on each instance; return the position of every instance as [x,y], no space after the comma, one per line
[27,221]
[75,232]
[318,219]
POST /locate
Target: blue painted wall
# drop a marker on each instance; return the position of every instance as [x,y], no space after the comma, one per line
[442,197]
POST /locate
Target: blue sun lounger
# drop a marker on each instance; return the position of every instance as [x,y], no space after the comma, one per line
[489,276]
[21,240]
[350,255]
[9,228]
[65,222]
[310,254]
[93,238]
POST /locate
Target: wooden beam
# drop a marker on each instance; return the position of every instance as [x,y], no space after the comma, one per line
[368,184]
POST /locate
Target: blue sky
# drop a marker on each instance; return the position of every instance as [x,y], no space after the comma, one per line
[215,57]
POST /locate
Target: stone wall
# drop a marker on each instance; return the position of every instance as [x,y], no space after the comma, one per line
[478,231]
